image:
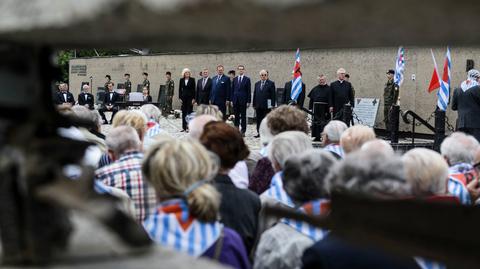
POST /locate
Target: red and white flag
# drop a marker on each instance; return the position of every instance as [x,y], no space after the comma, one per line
[435,81]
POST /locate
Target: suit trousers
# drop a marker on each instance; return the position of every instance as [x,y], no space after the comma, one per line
[102,111]
[187,108]
[240,116]
[261,113]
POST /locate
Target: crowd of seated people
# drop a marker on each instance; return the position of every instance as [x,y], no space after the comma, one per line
[204,194]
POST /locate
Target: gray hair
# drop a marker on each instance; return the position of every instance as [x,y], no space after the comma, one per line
[84,113]
[379,146]
[196,125]
[459,148]
[151,112]
[287,144]
[84,87]
[122,139]
[304,175]
[334,130]
[265,134]
[427,171]
[370,173]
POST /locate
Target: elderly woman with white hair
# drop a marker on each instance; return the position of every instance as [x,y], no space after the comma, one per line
[304,178]
[354,137]
[153,115]
[186,93]
[283,146]
[459,151]
[331,138]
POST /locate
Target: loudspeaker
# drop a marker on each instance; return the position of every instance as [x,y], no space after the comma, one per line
[470,65]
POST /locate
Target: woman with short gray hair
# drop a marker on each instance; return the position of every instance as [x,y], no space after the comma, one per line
[304,175]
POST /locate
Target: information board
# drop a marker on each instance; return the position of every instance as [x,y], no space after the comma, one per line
[365,111]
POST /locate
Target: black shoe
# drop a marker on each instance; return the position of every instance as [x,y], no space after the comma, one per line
[183,131]
[257,136]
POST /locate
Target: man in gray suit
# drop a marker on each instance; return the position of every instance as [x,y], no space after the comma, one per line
[466,100]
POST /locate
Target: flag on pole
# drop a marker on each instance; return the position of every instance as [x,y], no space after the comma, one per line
[399,66]
[444,93]
[435,81]
[297,78]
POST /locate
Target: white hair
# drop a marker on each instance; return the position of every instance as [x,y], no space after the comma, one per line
[84,87]
[263,71]
[459,148]
[84,113]
[122,139]
[334,130]
[151,112]
[378,146]
[287,144]
[185,70]
[265,134]
[196,125]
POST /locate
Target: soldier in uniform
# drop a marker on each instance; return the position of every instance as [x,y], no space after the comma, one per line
[390,97]
[169,90]
[128,84]
[146,82]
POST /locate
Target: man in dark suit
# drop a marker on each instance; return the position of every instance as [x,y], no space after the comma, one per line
[342,93]
[466,100]
[64,97]
[263,97]
[220,94]
[204,87]
[241,98]
[111,97]
[85,98]
[287,99]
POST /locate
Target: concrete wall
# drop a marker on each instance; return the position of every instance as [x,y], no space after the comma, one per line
[366,67]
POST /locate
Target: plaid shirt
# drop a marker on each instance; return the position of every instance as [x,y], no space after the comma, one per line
[126,174]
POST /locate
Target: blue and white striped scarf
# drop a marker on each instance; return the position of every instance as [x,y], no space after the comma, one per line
[172,226]
[154,130]
[335,148]
[314,208]
[277,192]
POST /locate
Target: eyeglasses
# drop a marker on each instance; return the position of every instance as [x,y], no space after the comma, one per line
[263,75]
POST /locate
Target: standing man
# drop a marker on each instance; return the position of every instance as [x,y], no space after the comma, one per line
[204,87]
[64,97]
[169,91]
[241,98]
[146,82]
[220,94]
[390,97]
[321,93]
[85,98]
[342,93]
[466,100]
[128,84]
[287,99]
[108,80]
[109,103]
[263,98]
[230,110]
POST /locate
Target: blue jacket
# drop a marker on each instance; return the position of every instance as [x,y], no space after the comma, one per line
[220,90]
[242,91]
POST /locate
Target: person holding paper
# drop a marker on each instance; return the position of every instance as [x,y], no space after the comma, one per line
[263,97]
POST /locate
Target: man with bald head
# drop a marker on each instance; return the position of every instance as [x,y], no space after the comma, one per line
[342,93]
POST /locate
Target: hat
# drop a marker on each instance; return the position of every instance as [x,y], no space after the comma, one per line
[473,73]
[341,71]
[391,71]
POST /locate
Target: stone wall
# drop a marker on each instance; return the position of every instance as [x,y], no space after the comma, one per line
[366,66]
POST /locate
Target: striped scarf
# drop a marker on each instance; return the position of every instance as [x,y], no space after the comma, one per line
[463,172]
[426,264]
[335,148]
[277,192]
[314,208]
[153,129]
[172,226]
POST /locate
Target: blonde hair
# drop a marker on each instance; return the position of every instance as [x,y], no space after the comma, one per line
[209,110]
[354,137]
[185,70]
[426,171]
[132,118]
[174,165]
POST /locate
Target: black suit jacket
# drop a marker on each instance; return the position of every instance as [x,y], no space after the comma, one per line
[111,101]
[288,92]
[148,99]
[241,91]
[261,96]
[60,99]
[320,93]
[203,95]
[86,101]
[239,209]
[342,93]
[467,103]
[186,92]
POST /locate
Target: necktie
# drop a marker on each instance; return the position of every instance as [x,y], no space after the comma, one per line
[203,83]
[241,77]
[218,79]
[263,84]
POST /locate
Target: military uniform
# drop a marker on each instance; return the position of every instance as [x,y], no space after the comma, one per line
[146,83]
[169,88]
[128,87]
[390,97]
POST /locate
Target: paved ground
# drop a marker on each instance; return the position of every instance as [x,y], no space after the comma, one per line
[174,126]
